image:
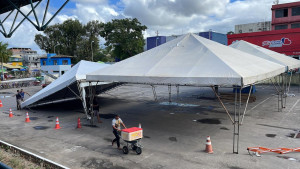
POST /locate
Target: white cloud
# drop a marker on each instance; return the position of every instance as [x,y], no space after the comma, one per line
[167,16]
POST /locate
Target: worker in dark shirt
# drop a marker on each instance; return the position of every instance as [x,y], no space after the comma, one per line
[18,99]
[22,93]
[96,110]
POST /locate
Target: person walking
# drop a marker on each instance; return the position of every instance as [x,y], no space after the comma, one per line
[18,99]
[116,125]
[96,110]
[22,93]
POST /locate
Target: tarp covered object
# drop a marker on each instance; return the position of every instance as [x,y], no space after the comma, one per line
[190,60]
[53,90]
[264,53]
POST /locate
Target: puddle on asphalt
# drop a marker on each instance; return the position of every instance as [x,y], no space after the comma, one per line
[41,127]
[289,158]
[107,116]
[209,121]
[89,125]
[2,97]
[50,116]
[224,128]
[178,104]
[50,120]
[209,107]
[174,139]
[6,93]
[33,118]
[235,167]
[271,135]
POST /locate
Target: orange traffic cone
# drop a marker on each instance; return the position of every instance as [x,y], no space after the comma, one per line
[10,113]
[208,148]
[27,120]
[78,123]
[57,124]
[1,105]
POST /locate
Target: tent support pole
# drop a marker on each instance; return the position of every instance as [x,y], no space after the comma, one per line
[288,90]
[154,92]
[177,87]
[170,94]
[91,98]
[237,115]
[222,104]
[82,95]
[246,105]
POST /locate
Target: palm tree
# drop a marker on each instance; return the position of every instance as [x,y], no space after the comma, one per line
[4,54]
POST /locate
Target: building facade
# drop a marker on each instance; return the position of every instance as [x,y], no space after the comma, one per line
[286,16]
[56,65]
[152,42]
[282,41]
[253,27]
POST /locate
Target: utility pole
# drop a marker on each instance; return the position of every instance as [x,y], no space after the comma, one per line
[92,50]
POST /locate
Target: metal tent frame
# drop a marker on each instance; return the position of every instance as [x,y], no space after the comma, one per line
[12,5]
[238,115]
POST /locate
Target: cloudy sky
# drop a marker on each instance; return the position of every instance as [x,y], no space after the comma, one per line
[168,17]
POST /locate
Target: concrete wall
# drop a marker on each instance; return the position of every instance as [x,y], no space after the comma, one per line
[56,69]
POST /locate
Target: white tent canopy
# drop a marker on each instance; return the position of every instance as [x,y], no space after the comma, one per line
[76,73]
[264,53]
[190,60]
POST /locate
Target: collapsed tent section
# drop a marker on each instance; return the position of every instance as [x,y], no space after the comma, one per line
[69,86]
[190,60]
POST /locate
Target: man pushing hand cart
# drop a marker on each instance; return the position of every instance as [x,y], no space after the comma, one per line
[116,125]
[131,136]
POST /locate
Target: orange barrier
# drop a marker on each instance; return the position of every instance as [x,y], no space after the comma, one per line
[78,123]
[27,120]
[261,150]
[57,126]
[208,147]
[1,105]
[10,114]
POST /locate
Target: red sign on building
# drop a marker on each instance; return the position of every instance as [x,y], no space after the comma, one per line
[282,41]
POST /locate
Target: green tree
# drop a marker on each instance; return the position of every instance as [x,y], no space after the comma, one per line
[123,37]
[4,54]
[71,38]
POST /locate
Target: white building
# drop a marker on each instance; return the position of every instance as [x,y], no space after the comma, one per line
[253,27]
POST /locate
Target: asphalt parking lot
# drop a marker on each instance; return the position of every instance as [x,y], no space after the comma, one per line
[174,135]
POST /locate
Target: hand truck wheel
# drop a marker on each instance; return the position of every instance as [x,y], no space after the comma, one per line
[125,150]
[138,150]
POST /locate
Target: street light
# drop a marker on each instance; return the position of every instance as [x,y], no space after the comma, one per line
[92,49]
[55,46]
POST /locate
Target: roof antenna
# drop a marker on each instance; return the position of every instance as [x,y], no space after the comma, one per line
[276,2]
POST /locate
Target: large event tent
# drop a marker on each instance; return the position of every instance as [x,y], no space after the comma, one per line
[289,62]
[190,60]
[194,61]
[67,87]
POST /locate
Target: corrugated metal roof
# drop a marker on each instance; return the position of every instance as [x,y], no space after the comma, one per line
[10,66]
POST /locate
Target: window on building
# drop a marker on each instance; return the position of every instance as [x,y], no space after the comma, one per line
[295,25]
[280,13]
[250,30]
[44,62]
[65,62]
[240,31]
[295,11]
[54,62]
[280,27]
